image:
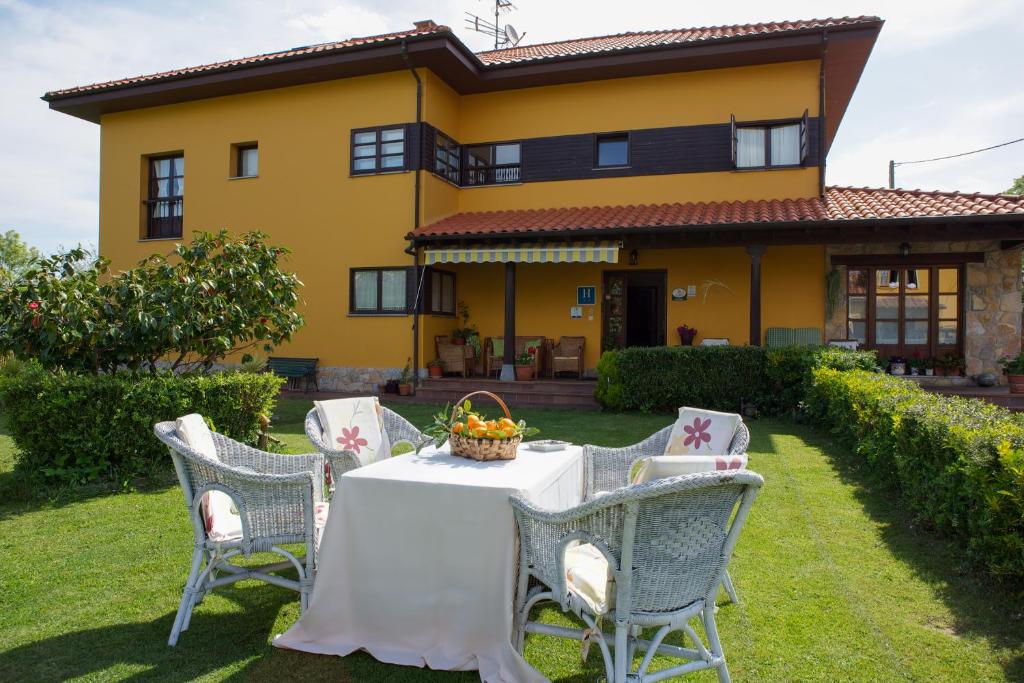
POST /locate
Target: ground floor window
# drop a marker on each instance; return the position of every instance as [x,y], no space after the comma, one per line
[440,299]
[378,290]
[905,311]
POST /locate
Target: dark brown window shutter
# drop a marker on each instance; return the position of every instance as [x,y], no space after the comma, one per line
[804,137]
[732,138]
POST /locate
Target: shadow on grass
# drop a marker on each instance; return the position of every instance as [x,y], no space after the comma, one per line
[982,606]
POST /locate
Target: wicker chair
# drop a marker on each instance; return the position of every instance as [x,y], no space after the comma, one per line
[607,469]
[340,462]
[666,543]
[493,363]
[567,356]
[276,496]
[456,357]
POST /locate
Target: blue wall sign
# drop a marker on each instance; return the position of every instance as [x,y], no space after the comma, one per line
[586,296]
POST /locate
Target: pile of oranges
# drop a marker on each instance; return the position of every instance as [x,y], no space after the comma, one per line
[477,428]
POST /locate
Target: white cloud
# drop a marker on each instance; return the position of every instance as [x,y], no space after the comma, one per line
[940,81]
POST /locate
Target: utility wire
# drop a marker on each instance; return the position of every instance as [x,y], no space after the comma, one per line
[962,154]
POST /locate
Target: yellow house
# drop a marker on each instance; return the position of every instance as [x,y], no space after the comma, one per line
[611,189]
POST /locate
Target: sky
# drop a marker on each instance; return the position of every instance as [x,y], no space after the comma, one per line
[945,77]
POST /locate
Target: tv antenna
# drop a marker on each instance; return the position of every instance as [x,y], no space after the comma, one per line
[504,36]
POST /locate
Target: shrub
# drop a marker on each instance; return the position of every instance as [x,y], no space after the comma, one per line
[72,429]
[716,377]
[208,298]
[959,463]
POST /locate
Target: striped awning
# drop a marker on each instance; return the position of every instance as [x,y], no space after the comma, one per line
[552,252]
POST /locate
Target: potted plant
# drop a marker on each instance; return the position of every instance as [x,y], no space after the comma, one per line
[928,365]
[897,365]
[1013,368]
[686,335]
[916,364]
[525,364]
[436,367]
[405,379]
[950,364]
[467,333]
[391,386]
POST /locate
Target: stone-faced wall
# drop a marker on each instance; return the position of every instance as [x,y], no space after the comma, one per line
[992,324]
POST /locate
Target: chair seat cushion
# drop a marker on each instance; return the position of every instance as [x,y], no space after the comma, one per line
[356,425]
[230,528]
[702,432]
[588,576]
[662,466]
[219,515]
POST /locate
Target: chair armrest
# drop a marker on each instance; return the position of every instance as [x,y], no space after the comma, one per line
[340,460]
[608,468]
[740,441]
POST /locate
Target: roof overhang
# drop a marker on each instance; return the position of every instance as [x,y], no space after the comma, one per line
[443,53]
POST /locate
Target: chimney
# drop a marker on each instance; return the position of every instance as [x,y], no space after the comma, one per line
[425,25]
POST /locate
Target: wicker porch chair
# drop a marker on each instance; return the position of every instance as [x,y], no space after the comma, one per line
[567,356]
[664,545]
[276,496]
[341,461]
[456,357]
[607,469]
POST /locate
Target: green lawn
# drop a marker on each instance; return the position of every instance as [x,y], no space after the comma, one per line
[836,584]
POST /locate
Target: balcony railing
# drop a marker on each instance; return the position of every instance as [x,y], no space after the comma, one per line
[492,175]
[164,217]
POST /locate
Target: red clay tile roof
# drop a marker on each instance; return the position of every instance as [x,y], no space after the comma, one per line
[641,39]
[422,28]
[839,204]
[580,46]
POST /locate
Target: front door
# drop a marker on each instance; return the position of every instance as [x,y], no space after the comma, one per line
[908,312]
[634,309]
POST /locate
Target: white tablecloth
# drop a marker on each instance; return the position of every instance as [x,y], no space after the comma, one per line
[417,561]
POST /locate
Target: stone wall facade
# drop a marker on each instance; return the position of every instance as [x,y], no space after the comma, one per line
[354,380]
[992,299]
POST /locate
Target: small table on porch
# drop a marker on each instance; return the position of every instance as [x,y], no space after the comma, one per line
[417,563]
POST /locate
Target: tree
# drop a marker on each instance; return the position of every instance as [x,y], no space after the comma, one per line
[1017,187]
[15,255]
[191,308]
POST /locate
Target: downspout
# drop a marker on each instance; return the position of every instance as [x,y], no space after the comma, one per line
[821,115]
[411,249]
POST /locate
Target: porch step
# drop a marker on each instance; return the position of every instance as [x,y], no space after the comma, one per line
[537,393]
[999,396]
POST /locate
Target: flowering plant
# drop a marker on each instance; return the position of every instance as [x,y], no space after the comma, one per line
[686,334]
[527,357]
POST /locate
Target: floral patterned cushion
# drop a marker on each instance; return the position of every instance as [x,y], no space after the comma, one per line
[356,425]
[662,466]
[702,432]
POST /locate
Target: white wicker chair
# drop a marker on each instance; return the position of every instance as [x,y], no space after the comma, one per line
[275,496]
[340,461]
[667,544]
[608,469]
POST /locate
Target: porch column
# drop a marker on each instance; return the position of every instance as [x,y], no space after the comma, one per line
[508,362]
[755,252]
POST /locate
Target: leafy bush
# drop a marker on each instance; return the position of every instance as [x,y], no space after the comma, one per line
[958,462]
[194,306]
[73,429]
[789,372]
[716,377]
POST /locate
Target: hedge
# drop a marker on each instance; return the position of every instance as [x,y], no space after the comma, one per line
[72,429]
[716,377]
[959,463]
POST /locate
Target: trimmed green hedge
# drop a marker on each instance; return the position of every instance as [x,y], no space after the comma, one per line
[716,377]
[958,462]
[72,429]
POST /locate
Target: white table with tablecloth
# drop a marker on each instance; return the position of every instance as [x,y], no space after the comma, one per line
[417,562]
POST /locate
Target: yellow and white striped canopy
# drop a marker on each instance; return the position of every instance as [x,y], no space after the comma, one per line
[556,252]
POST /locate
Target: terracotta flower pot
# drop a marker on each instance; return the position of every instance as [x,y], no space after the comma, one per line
[524,373]
[404,389]
[436,371]
[1016,383]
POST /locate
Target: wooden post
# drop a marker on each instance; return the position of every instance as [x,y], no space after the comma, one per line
[508,361]
[755,252]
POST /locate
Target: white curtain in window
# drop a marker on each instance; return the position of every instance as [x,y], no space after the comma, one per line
[749,147]
[393,290]
[786,145]
[366,290]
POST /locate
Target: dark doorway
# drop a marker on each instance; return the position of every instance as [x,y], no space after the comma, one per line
[634,308]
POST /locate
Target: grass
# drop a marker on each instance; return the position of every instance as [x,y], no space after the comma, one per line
[836,583]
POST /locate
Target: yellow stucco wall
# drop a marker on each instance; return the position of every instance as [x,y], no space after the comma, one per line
[306,200]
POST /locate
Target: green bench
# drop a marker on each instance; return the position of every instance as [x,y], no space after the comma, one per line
[295,370]
[792,336]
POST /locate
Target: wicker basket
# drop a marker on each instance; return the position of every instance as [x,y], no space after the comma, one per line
[484,449]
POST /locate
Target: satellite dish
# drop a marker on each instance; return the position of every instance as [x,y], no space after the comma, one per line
[511,35]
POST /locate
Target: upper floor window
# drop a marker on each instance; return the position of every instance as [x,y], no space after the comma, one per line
[447,155]
[492,164]
[247,160]
[165,196]
[612,150]
[770,145]
[378,290]
[376,150]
